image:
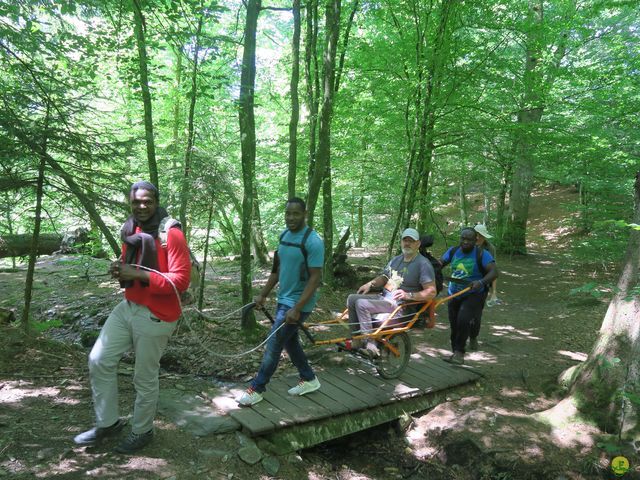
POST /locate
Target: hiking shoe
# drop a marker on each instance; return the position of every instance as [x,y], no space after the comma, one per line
[93,436]
[372,349]
[456,359]
[473,344]
[250,397]
[134,442]
[305,386]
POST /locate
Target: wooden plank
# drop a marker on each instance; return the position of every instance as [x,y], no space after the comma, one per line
[349,389]
[321,397]
[348,401]
[300,408]
[351,376]
[445,375]
[252,421]
[270,409]
[394,387]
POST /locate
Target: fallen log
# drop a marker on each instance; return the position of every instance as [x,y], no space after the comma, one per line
[20,245]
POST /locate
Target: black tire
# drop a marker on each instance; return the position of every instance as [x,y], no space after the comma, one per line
[388,364]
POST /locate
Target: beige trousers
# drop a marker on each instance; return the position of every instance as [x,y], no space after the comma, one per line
[129,326]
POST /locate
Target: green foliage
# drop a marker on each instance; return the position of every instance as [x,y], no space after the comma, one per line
[44,326]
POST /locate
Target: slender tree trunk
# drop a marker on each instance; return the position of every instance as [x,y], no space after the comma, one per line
[327,231]
[248,149]
[206,253]
[295,102]
[360,226]
[259,246]
[176,121]
[139,30]
[426,146]
[188,155]
[607,386]
[312,81]
[323,161]
[33,254]
[462,201]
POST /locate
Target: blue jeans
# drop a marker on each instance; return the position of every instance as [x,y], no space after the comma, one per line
[286,338]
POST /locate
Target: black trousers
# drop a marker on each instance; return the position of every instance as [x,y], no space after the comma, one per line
[465,315]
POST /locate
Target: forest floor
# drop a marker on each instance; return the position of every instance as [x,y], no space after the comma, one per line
[491,429]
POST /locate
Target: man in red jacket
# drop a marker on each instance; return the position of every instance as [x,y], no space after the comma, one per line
[143,321]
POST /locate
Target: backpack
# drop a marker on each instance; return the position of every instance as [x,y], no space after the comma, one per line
[425,242]
[190,294]
[304,269]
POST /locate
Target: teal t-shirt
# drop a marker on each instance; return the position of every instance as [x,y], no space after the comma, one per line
[292,263]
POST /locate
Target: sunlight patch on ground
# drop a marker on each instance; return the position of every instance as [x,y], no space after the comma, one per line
[227,402]
[11,392]
[502,330]
[157,466]
[578,356]
[567,430]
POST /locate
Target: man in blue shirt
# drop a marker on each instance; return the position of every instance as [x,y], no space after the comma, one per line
[468,269]
[297,267]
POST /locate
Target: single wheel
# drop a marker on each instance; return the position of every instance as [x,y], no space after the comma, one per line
[390,365]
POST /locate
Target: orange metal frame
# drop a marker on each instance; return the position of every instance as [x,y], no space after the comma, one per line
[385,330]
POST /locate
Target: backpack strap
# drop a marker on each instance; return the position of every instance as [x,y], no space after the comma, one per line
[165,225]
[300,245]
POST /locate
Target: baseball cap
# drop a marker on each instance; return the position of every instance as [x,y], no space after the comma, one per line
[411,233]
[482,230]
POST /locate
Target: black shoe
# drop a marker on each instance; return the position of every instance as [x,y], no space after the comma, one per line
[456,359]
[93,436]
[473,344]
[135,442]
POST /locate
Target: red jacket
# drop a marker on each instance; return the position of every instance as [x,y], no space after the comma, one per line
[174,261]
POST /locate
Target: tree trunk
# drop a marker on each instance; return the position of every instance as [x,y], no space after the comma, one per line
[185,188]
[535,85]
[175,131]
[139,28]
[295,103]
[462,201]
[259,246]
[607,385]
[327,221]
[204,259]
[312,80]
[324,136]
[360,225]
[33,254]
[248,149]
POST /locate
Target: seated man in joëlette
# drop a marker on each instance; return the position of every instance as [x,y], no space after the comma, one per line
[407,277]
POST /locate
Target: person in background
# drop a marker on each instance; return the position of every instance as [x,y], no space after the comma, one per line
[297,268]
[483,241]
[143,321]
[471,267]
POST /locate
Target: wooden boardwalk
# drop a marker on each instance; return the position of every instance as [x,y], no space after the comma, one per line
[348,392]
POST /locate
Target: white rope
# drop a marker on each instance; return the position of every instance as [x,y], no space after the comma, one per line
[175,289]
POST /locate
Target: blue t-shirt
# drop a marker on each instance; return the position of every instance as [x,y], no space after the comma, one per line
[292,263]
[464,266]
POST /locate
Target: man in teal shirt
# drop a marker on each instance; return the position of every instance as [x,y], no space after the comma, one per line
[297,267]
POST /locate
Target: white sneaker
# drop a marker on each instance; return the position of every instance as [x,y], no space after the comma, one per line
[250,397]
[305,387]
[372,349]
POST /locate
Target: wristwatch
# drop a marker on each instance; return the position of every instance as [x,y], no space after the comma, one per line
[411,295]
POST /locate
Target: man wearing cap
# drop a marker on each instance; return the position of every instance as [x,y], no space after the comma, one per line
[407,277]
